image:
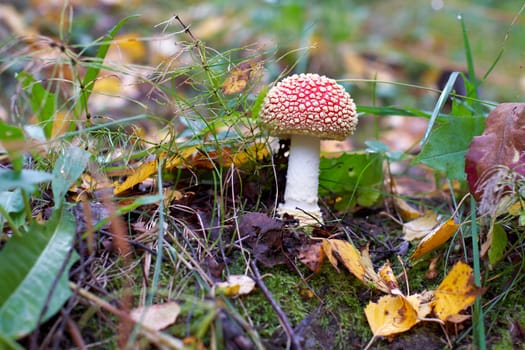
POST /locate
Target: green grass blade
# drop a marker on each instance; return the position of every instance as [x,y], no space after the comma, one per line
[29,265]
[439,105]
[477,313]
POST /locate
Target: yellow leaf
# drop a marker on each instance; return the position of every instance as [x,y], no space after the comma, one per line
[360,265]
[436,238]
[239,76]
[347,254]
[420,227]
[157,316]
[456,292]
[129,47]
[389,279]
[390,315]
[236,285]
[150,168]
[405,210]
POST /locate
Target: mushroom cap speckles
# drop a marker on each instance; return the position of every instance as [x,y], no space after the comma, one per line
[309,104]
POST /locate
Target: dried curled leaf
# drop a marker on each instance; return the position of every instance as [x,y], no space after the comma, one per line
[501,144]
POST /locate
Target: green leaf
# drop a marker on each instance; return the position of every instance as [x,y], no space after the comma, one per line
[9,344]
[498,244]
[12,138]
[447,145]
[68,167]
[12,201]
[25,179]
[29,265]
[355,178]
[43,102]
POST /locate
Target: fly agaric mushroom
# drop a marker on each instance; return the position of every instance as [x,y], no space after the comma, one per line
[307,108]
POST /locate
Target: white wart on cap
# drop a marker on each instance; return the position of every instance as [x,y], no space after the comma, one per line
[307,108]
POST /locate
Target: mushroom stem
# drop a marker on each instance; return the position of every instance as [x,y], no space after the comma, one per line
[302,181]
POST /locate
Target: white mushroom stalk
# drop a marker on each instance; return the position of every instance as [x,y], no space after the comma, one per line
[307,108]
[302,181]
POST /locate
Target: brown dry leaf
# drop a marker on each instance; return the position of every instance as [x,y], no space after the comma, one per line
[157,316]
[456,292]
[420,227]
[391,314]
[436,238]
[239,76]
[312,255]
[501,144]
[265,236]
[236,285]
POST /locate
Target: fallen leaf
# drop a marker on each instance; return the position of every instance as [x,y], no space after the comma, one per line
[236,285]
[312,255]
[388,277]
[436,238]
[239,76]
[391,314]
[456,292]
[343,251]
[264,235]
[501,144]
[420,227]
[406,211]
[157,316]
[360,265]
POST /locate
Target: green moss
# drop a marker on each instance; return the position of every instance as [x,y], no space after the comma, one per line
[328,302]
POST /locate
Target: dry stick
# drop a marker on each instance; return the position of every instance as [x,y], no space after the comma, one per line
[283,319]
[158,338]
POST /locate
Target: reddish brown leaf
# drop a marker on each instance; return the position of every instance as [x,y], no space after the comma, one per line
[501,144]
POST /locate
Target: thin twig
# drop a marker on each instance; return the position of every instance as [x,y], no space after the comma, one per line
[283,319]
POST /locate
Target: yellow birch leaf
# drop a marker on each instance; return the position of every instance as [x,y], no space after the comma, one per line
[391,314]
[436,238]
[456,292]
[389,279]
[347,254]
[150,168]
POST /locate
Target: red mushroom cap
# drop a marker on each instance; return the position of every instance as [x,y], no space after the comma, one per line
[309,104]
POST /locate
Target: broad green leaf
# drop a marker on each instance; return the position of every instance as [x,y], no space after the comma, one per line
[43,102]
[25,179]
[12,138]
[447,145]
[9,344]
[29,265]
[353,177]
[68,167]
[498,244]
[12,201]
